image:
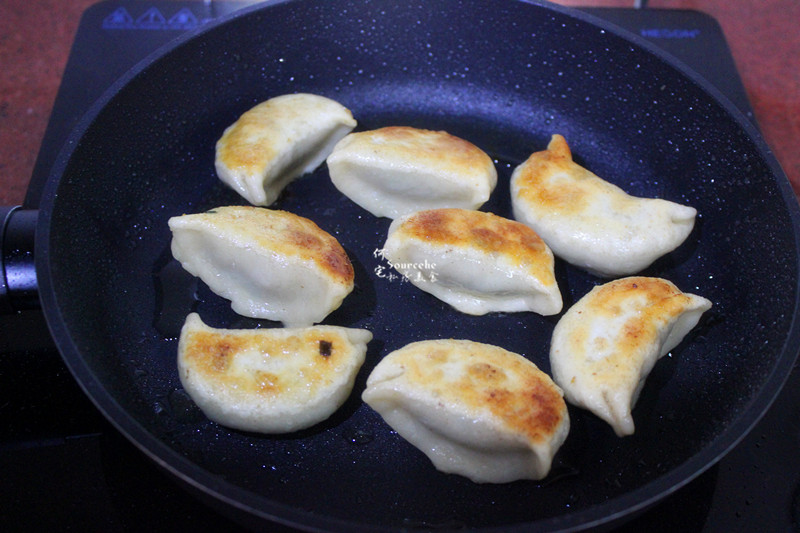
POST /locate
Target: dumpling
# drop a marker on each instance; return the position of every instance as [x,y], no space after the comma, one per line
[474,409]
[397,170]
[278,140]
[589,222]
[270,264]
[605,345]
[477,262]
[269,380]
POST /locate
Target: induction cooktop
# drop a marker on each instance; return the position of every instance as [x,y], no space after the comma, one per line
[64,467]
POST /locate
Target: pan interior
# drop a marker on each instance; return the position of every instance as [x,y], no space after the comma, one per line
[506,76]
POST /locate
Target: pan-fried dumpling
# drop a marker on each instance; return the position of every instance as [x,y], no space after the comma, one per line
[474,409]
[589,222]
[477,262]
[397,170]
[278,140]
[270,264]
[605,345]
[269,380]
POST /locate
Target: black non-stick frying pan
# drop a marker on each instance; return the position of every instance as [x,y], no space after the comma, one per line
[504,74]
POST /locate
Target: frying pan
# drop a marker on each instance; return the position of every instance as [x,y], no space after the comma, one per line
[505,75]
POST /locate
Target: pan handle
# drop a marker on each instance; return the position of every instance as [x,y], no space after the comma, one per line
[19,288]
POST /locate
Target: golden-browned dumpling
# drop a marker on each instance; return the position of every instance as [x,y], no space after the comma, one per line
[477,262]
[605,345]
[269,380]
[278,140]
[397,170]
[474,409]
[270,264]
[589,222]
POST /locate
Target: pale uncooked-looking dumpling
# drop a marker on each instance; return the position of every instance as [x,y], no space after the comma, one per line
[475,261]
[278,140]
[590,222]
[270,264]
[269,380]
[474,409]
[605,345]
[397,170]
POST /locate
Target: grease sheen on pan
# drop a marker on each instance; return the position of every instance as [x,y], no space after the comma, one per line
[475,261]
[590,222]
[269,380]
[474,409]
[270,264]
[605,345]
[397,170]
[278,140]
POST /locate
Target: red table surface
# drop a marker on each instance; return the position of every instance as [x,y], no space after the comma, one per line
[36,35]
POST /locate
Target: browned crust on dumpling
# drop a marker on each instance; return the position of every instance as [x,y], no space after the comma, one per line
[537,187]
[258,136]
[211,352]
[487,232]
[529,403]
[289,234]
[437,147]
[658,302]
[236,147]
